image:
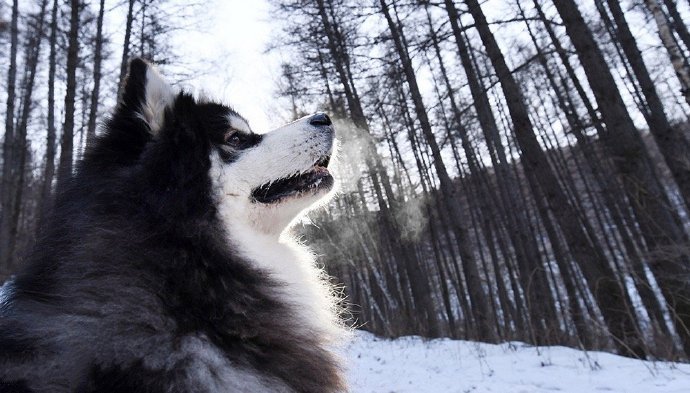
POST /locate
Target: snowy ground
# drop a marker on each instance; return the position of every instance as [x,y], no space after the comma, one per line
[446,366]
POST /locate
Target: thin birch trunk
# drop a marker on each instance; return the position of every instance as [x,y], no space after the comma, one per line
[675,54]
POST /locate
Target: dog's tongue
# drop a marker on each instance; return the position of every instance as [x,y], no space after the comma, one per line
[319,169]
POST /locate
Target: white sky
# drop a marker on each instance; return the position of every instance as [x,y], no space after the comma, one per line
[225,47]
[235,36]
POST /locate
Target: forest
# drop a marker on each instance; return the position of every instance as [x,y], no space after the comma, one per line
[510,170]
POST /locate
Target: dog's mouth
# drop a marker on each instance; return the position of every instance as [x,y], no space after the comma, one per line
[315,179]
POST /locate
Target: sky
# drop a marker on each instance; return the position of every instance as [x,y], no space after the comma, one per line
[233,39]
[225,44]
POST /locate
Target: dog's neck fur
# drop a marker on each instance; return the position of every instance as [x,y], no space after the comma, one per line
[292,266]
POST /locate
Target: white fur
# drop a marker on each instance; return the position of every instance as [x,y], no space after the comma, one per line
[238,123]
[5,292]
[212,370]
[255,229]
[159,95]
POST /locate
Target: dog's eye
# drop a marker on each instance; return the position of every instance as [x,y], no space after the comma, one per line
[234,140]
[238,140]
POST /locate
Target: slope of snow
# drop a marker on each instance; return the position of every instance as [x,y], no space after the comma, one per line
[410,364]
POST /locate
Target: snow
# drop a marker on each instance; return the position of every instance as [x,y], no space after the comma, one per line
[411,364]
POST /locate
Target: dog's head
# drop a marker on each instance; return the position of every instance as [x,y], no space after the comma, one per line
[187,147]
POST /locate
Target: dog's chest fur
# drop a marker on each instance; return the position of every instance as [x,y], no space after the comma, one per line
[205,321]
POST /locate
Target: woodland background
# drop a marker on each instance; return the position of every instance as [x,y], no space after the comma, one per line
[510,169]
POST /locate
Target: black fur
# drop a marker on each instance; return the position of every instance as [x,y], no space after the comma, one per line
[14,387]
[134,259]
[133,379]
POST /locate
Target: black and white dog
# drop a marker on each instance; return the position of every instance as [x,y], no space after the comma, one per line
[165,266]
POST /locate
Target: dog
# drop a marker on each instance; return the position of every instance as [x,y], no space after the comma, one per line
[166,266]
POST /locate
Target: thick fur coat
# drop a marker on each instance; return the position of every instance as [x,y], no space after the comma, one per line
[165,266]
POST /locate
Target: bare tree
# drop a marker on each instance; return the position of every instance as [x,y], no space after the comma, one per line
[663,233]
[610,297]
[481,307]
[49,171]
[126,45]
[672,144]
[675,54]
[67,140]
[98,59]
[9,147]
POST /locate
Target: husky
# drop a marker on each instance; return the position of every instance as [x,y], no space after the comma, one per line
[166,265]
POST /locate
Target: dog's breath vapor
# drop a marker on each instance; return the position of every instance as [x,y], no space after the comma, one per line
[165,265]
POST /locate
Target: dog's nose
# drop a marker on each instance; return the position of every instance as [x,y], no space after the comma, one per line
[320,119]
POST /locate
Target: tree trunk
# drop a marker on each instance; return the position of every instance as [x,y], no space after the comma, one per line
[33,50]
[673,145]
[527,253]
[529,261]
[67,141]
[388,206]
[477,295]
[126,44]
[98,57]
[680,66]
[9,150]
[663,233]
[49,171]
[559,254]
[602,280]
[678,23]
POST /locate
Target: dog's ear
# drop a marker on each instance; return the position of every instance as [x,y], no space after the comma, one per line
[145,94]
